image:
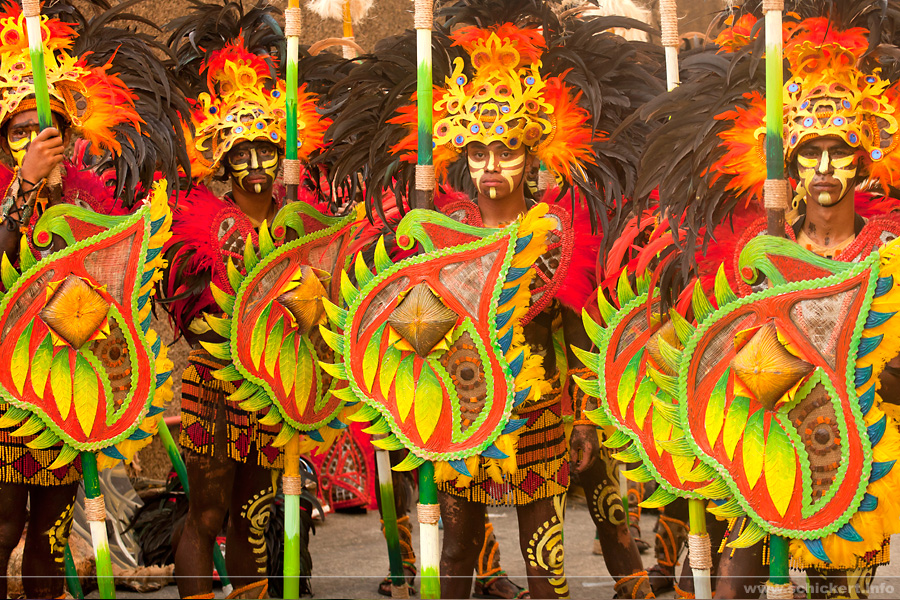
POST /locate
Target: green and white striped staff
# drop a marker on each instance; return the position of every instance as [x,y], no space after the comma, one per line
[699,548]
[292,483]
[94,506]
[399,589]
[428,509]
[776,196]
[174,453]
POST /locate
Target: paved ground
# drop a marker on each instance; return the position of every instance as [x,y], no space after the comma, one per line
[350,558]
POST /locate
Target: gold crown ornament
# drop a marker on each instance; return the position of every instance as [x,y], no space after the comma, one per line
[92,100]
[503,97]
[245,103]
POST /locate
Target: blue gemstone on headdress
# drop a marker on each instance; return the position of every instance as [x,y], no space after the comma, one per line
[793,88]
[475,128]
[877,154]
[238,129]
[274,135]
[793,139]
[460,80]
[260,125]
[213,110]
[529,80]
[839,121]
[513,142]
[499,129]
[504,109]
[871,79]
[276,94]
[459,139]
[805,104]
[300,143]
[853,138]
[847,104]
[472,109]
[808,121]
[229,118]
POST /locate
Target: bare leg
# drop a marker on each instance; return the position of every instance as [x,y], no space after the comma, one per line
[13,503]
[740,569]
[540,536]
[671,536]
[463,534]
[636,495]
[211,480]
[620,552]
[43,567]
[245,554]
[491,580]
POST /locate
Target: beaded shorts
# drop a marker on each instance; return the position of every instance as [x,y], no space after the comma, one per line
[212,425]
[542,461]
[22,465]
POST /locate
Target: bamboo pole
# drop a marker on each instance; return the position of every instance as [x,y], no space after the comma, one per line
[423,21]
[429,514]
[399,589]
[348,50]
[95,509]
[776,195]
[699,550]
[73,582]
[776,198]
[293,486]
[292,29]
[181,471]
[668,17]
[31,10]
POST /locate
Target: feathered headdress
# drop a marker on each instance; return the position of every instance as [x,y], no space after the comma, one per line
[827,95]
[106,82]
[239,93]
[502,96]
[245,103]
[504,70]
[706,158]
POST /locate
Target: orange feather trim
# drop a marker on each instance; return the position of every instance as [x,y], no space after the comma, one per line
[529,43]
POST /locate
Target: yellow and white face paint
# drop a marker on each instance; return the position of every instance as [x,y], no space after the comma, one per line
[842,165]
[496,170]
[253,165]
[19,142]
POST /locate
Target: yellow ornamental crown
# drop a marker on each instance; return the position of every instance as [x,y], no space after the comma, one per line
[835,99]
[245,102]
[503,101]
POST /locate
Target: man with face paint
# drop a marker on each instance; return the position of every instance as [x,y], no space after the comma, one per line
[495,116]
[237,134]
[840,136]
[37,486]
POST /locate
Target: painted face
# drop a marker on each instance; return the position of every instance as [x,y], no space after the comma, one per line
[827,169]
[495,169]
[19,136]
[253,165]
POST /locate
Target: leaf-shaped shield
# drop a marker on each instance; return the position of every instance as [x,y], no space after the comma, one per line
[78,359]
[432,343]
[634,383]
[780,389]
[271,323]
